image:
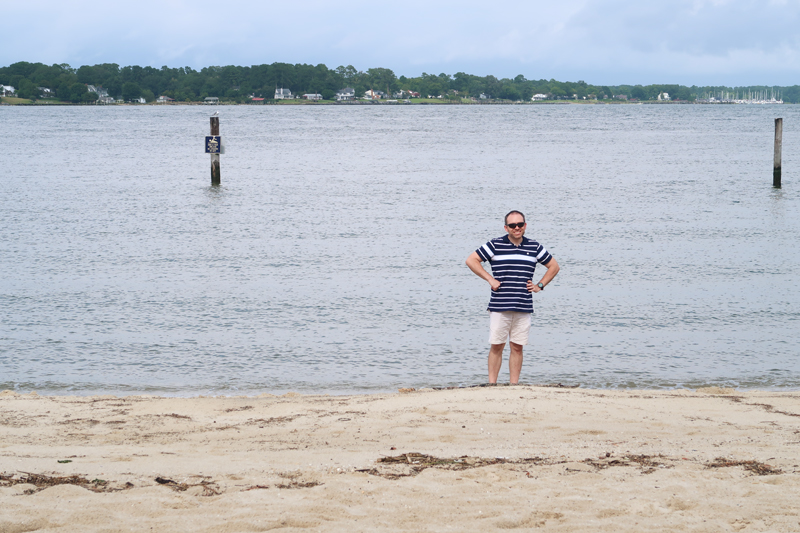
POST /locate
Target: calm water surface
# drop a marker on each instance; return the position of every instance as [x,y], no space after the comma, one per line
[332,257]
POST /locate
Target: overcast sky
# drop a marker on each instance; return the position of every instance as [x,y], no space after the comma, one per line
[718,42]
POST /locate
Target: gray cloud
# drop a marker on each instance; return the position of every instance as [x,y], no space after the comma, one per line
[601,41]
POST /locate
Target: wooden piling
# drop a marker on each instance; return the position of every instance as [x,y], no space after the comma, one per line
[215,169]
[776,166]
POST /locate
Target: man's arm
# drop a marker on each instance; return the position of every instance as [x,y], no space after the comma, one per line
[474,264]
[552,269]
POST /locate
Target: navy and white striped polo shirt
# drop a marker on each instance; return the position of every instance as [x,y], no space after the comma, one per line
[513,266]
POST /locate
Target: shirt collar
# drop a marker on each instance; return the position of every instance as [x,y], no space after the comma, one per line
[525,240]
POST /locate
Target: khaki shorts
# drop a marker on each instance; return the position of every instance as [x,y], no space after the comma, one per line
[509,324]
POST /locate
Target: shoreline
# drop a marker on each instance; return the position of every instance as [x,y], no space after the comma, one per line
[723,387]
[424,460]
[364,103]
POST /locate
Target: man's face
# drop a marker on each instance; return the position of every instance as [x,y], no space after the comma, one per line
[513,220]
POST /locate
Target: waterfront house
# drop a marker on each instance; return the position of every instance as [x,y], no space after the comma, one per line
[484,96]
[211,100]
[256,100]
[105,100]
[164,99]
[539,96]
[348,93]
[7,90]
[313,96]
[283,94]
[99,91]
[374,95]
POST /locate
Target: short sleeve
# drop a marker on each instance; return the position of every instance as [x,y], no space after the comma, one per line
[486,252]
[543,256]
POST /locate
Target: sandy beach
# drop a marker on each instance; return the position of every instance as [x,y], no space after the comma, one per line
[471,459]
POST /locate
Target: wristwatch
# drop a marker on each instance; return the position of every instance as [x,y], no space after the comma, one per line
[541,287]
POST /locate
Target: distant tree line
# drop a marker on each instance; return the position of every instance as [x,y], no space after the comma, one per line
[238,84]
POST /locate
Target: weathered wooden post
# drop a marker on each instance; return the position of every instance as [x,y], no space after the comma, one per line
[213,145]
[776,166]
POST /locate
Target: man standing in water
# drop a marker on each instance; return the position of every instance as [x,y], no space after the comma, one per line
[513,258]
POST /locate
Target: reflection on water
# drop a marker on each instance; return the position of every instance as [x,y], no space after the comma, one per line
[332,256]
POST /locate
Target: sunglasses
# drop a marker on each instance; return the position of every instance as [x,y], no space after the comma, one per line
[516,225]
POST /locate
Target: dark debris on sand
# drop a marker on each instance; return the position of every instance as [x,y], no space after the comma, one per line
[760,469]
[42,481]
[210,488]
[412,463]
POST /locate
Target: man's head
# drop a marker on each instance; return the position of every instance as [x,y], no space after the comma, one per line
[515,224]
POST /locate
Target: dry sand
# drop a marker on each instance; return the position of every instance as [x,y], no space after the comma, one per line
[498,458]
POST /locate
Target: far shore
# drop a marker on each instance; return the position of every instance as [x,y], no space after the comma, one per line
[484,458]
[415,101]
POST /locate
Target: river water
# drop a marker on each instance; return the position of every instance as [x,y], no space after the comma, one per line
[331,259]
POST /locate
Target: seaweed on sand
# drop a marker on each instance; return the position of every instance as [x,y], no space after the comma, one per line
[760,469]
[43,481]
[412,463]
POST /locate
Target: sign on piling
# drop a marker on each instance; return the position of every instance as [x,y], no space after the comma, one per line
[776,166]
[213,147]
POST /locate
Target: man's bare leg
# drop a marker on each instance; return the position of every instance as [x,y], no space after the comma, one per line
[496,361]
[514,363]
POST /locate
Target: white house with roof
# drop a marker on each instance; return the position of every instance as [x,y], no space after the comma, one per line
[343,95]
[539,96]
[312,96]
[664,96]
[211,100]
[7,90]
[97,90]
[283,94]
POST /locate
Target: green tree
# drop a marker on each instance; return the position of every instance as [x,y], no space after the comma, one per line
[130,91]
[382,79]
[638,92]
[62,90]
[557,93]
[86,74]
[509,92]
[27,89]
[76,92]
[525,91]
